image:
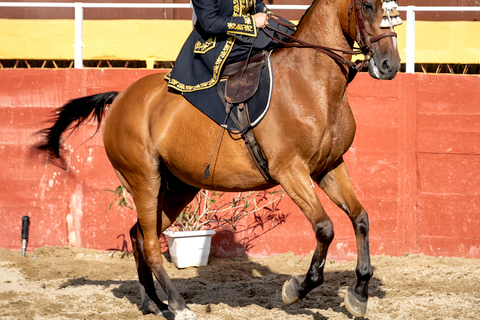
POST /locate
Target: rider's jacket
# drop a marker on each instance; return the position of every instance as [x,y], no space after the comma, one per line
[224,30]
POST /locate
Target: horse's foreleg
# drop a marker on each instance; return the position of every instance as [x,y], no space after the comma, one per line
[300,188]
[338,187]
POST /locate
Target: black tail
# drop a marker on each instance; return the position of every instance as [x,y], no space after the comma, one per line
[71,116]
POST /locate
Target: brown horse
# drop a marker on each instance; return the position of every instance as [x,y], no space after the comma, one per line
[159,145]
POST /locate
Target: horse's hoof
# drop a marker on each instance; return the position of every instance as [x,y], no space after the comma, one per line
[149,306]
[185,314]
[167,314]
[356,307]
[290,291]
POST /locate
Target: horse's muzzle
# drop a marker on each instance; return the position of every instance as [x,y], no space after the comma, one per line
[383,68]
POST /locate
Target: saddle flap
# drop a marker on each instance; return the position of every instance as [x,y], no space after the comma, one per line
[241,88]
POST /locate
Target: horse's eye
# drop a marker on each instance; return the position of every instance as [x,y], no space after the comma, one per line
[368,7]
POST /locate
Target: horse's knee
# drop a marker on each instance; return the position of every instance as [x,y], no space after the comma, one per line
[361,223]
[324,231]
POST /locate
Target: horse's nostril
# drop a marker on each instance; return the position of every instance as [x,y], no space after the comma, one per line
[387,65]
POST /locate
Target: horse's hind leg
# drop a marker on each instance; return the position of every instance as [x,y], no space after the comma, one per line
[149,190]
[338,187]
[150,301]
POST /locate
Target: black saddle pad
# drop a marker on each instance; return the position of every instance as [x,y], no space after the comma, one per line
[209,102]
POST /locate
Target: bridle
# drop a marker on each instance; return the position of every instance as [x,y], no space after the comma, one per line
[363,39]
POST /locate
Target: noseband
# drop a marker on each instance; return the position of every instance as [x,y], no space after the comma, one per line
[363,39]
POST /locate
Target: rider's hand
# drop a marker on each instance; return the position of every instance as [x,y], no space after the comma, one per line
[261,19]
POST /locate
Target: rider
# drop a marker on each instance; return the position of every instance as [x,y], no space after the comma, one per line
[224,32]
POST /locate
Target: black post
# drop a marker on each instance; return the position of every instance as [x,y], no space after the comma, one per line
[25,225]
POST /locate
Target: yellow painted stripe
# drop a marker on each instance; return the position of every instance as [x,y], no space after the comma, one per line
[161,40]
[147,40]
[447,42]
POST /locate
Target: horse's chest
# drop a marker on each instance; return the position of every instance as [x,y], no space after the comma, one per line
[333,141]
[342,139]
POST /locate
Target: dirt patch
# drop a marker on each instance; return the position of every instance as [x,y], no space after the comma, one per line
[76,283]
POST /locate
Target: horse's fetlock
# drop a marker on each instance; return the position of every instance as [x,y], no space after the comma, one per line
[364,272]
[316,278]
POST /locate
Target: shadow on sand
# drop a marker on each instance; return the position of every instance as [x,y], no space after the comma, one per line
[241,282]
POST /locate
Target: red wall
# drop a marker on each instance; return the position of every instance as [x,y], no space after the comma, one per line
[415,166]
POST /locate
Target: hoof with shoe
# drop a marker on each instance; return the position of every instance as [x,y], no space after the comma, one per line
[290,291]
[356,307]
[185,314]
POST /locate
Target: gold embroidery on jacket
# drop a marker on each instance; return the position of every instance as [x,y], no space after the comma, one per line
[239,27]
[247,28]
[209,44]
[240,9]
[217,68]
[236,8]
[245,5]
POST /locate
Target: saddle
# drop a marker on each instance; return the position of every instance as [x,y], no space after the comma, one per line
[241,81]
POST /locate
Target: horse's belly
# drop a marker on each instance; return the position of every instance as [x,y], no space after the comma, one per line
[188,142]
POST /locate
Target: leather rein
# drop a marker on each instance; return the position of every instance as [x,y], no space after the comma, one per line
[363,39]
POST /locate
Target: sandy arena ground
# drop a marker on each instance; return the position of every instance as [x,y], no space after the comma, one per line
[76,283]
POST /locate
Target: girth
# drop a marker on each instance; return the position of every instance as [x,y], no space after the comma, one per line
[242,120]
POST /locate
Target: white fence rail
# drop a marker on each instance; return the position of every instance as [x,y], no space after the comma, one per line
[80,6]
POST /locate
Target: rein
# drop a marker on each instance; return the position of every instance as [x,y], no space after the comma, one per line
[363,39]
[299,43]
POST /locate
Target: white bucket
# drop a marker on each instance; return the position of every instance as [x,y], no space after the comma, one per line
[189,248]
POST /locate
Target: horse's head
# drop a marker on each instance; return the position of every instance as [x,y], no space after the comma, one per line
[371,23]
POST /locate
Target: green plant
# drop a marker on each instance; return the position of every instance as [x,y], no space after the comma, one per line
[249,215]
[198,214]
[122,198]
[211,209]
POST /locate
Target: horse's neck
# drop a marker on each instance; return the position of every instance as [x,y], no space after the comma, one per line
[321,25]
[311,73]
